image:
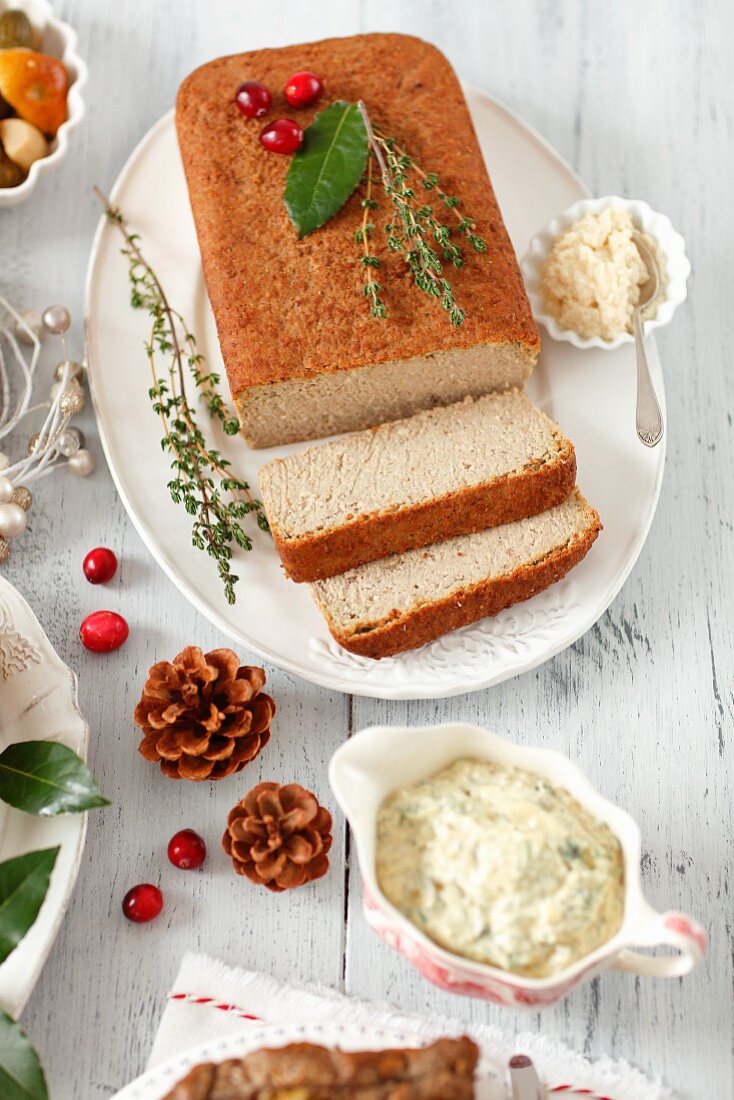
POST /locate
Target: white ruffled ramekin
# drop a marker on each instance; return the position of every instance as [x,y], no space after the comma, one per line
[373,763]
[59,40]
[645,218]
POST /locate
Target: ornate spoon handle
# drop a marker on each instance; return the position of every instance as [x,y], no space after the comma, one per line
[649,417]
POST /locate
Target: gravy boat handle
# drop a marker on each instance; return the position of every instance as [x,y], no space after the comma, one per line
[669,929]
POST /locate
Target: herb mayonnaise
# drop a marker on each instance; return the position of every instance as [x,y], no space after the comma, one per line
[498,865]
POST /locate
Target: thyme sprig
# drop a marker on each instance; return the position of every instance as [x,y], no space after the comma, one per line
[415,230]
[370,262]
[202,480]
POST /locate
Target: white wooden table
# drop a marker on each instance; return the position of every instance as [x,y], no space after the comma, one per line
[640,99]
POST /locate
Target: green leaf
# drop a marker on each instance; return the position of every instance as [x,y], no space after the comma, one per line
[45,778]
[327,168]
[21,1075]
[23,886]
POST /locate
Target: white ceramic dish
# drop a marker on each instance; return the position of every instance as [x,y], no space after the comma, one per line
[39,702]
[361,782]
[645,218]
[592,395]
[157,1083]
[59,40]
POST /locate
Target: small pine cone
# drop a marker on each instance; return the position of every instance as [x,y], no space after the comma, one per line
[203,715]
[278,836]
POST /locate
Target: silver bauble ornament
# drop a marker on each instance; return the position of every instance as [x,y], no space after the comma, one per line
[82,463]
[56,319]
[34,320]
[23,496]
[69,442]
[4,550]
[13,521]
[76,370]
[6,489]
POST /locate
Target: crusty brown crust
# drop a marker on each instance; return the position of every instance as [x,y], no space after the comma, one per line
[369,538]
[292,309]
[424,624]
[444,1069]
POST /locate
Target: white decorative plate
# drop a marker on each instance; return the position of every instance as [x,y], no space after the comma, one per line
[591,394]
[158,1082]
[39,703]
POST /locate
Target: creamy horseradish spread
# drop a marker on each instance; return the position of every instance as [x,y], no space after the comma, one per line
[591,280]
[500,866]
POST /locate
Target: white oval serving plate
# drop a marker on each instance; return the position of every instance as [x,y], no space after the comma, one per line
[157,1083]
[39,703]
[591,394]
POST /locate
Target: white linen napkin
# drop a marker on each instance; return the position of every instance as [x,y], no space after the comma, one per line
[210,1000]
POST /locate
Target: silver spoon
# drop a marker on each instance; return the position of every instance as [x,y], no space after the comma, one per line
[649,417]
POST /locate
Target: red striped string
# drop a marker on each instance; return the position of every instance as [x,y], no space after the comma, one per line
[578,1092]
[235,1010]
[192,999]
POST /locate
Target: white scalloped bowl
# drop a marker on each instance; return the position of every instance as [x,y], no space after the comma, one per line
[645,218]
[59,40]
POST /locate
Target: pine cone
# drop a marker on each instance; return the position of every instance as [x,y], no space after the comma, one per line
[203,715]
[278,836]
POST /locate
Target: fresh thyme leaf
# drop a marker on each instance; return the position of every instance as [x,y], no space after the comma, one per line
[327,168]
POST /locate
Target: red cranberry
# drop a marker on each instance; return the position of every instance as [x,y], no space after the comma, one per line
[186,850]
[142,903]
[99,565]
[282,136]
[253,99]
[103,631]
[303,88]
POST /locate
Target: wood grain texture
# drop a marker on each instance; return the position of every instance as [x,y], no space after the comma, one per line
[641,102]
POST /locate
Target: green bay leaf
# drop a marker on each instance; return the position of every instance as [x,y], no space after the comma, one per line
[23,885]
[21,1075]
[45,778]
[326,169]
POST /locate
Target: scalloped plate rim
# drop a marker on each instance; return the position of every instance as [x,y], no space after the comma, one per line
[150,1085]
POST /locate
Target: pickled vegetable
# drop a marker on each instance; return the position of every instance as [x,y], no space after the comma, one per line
[23,143]
[16,30]
[36,85]
[10,174]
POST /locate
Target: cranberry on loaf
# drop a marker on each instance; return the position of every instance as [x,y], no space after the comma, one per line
[304,357]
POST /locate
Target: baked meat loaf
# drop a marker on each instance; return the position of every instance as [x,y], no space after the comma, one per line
[440,473]
[304,357]
[303,1071]
[387,607]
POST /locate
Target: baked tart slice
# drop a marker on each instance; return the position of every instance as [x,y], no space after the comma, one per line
[304,1071]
